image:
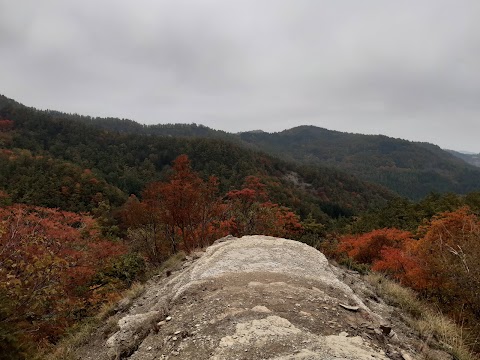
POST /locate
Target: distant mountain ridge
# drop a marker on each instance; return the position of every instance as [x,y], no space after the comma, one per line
[471,158]
[412,169]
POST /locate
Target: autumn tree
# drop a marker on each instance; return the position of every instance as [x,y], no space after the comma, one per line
[245,206]
[48,263]
[251,212]
[146,231]
[443,265]
[449,251]
[184,212]
[367,248]
[403,264]
[211,214]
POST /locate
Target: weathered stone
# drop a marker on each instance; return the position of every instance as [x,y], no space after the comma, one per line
[133,329]
[254,298]
[348,307]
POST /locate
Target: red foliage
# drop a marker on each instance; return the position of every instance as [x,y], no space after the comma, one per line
[391,251]
[449,251]
[183,213]
[186,212]
[367,248]
[444,264]
[6,125]
[251,212]
[402,264]
[47,262]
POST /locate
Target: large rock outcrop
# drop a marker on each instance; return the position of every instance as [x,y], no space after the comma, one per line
[254,297]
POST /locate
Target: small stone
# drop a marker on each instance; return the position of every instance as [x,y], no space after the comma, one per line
[149,348]
[405,356]
[261,309]
[176,332]
[168,318]
[161,323]
[348,307]
[174,338]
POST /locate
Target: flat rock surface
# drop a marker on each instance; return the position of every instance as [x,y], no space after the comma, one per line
[255,297]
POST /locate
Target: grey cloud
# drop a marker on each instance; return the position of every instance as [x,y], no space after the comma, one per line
[405,69]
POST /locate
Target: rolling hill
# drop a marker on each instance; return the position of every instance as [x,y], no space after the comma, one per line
[128,161]
[411,169]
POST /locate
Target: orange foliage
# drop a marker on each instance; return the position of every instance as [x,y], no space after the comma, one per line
[444,264]
[402,264]
[450,255]
[367,248]
[391,251]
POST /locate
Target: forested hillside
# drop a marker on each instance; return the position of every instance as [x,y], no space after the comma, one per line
[45,181]
[408,168]
[130,161]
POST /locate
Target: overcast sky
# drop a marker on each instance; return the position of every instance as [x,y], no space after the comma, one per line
[408,69]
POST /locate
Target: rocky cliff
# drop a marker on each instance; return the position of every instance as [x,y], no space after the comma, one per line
[255,297]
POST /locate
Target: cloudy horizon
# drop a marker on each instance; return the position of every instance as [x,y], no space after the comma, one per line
[403,69]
